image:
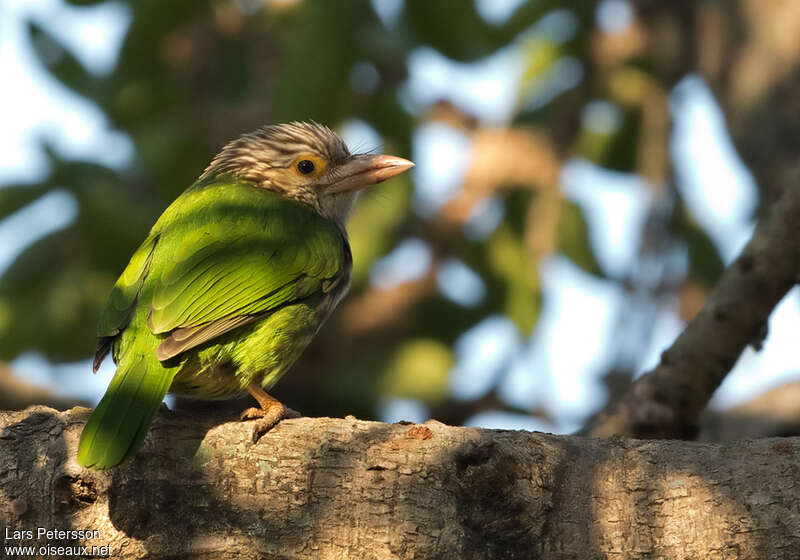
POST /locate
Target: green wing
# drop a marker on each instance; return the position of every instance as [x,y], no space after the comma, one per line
[229,263]
[122,301]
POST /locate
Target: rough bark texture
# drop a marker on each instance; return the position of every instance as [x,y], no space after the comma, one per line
[325,488]
[667,401]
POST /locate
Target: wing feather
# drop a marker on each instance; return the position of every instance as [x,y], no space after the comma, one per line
[237,261]
[122,301]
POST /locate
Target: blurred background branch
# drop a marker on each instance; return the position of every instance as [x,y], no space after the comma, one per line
[18,395]
[667,401]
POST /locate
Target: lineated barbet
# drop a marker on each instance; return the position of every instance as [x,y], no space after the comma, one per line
[233,281]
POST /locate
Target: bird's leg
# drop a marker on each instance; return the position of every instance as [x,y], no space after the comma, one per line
[271,411]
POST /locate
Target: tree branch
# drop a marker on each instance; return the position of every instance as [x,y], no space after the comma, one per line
[667,401]
[325,488]
[15,394]
[770,414]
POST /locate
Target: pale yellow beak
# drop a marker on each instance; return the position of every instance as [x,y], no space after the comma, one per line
[364,170]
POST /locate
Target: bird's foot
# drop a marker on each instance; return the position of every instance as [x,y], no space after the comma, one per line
[266,419]
[270,412]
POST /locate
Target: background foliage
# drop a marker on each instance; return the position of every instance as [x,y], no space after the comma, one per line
[192,75]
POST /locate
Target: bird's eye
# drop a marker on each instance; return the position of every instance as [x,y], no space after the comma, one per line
[305,166]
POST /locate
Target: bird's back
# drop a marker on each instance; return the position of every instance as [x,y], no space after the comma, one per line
[229,287]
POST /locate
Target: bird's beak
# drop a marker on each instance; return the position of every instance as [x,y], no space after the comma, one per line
[364,170]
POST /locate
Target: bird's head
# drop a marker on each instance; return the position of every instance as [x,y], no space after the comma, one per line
[307,162]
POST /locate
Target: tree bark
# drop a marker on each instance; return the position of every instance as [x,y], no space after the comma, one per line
[325,488]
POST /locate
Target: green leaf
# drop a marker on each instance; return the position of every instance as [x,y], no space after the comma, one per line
[510,259]
[615,151]
[50,300]
[454,28]
[318,57]
[420,370]
[620,151]
[376,217]
[61,63]
[539,53]
[16,197]
[573,238]
[705,263]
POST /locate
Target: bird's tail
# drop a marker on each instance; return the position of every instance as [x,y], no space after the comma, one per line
[120,422]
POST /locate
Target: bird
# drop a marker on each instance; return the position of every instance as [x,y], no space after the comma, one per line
[233,281]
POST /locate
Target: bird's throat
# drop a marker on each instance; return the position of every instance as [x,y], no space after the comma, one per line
[337,207]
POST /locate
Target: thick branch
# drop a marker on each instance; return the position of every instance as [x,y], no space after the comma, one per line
[668,401]
[324,488]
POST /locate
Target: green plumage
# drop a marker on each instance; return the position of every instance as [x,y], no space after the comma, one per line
[229,287]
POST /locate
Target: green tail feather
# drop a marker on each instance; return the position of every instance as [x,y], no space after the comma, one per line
[120,422]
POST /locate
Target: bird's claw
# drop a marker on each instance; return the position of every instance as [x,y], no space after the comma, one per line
[267,419]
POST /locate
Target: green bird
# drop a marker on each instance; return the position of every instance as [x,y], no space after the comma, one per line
[232,283]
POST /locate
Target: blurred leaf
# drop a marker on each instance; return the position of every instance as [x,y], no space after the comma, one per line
[454,28]
[235,77]
[419,370]
[510,260]
[517,203]
[112,219]
[15,197]
[318,57]
[193,75]
[524,304]
[376,217]
[573,238]
[705,263]
[616,151]
[628,86]
[51,295]
[539,54]
[60,62]
[592,145]
[621,151]
[349,386]
[50,299]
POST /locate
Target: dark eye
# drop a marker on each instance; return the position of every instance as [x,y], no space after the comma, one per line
[305,166]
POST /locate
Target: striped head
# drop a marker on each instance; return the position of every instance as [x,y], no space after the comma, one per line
[307,162]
